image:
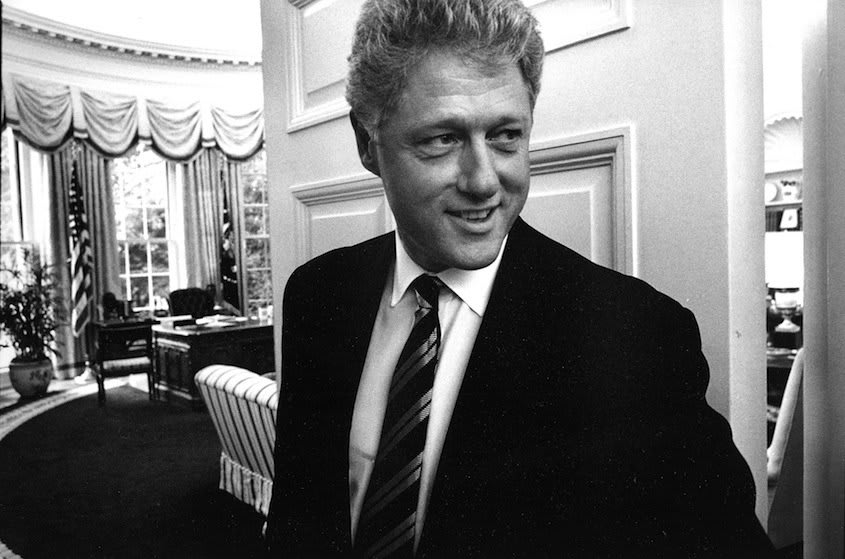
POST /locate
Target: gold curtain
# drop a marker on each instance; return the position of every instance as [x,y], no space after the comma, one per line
[93,177]
[206,177]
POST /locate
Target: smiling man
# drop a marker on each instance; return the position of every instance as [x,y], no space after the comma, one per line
[465,386]
[453,156]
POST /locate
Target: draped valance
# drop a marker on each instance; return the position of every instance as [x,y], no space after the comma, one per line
[47,114]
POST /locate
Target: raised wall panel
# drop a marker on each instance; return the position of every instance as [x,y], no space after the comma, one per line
[338,213]
[319,39]
[567,22]
[574,207]
[581,196]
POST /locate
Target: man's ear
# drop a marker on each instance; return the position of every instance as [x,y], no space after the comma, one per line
[366,145]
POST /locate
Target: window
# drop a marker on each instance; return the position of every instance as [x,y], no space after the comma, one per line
[10,200]
[11,224]
[256,234]
[10,204]
[140,192]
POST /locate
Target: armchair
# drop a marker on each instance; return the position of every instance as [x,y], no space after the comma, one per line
[242,405]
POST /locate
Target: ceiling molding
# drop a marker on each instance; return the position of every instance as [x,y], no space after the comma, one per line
[64,34]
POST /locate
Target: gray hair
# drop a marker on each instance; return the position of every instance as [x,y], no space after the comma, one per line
[393,36]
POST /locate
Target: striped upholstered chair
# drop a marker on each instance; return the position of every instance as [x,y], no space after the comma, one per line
[242,405]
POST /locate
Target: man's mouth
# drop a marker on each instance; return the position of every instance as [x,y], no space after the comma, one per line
[473,215]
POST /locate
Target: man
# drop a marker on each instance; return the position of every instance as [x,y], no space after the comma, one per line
[518,405]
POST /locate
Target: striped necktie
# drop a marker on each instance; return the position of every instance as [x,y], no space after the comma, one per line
[388,516]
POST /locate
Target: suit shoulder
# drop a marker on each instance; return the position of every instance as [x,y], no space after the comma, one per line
[336,263]
[554,267]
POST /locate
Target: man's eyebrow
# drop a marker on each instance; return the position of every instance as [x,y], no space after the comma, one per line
[453,122]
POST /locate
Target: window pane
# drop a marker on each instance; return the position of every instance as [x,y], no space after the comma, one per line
[254,222]
[7,216]
[161,289]
[257,253]
[133,191]
[120,221]
[160,257]
[9,200]
[254,188]
[140,292]
[259,284]
[134,223]
[156,187]
[156,223]
[137,257]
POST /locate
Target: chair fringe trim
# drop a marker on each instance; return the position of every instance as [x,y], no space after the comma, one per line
[250,487]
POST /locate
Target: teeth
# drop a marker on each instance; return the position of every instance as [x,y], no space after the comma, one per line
[475,214]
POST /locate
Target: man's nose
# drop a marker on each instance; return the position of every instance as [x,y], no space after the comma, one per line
[478,172]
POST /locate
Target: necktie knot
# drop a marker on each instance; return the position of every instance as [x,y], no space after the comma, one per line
[428,289]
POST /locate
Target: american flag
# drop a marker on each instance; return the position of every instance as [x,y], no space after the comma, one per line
[228,263]
[80,256]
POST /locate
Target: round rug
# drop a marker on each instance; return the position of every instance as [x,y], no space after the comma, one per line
[135,478]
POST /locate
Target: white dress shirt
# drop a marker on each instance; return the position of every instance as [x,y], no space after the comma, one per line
[460,310]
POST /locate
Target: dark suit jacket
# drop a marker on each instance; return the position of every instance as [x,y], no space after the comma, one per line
[580,430]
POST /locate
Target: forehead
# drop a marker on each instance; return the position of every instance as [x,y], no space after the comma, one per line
[447,86]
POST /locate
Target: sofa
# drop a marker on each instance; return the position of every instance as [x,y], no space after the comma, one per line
[242,405]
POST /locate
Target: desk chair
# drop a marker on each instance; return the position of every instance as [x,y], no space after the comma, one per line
[786,463]
[123,347]
[194,301]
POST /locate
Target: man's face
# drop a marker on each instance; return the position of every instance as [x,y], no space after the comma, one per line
[453,157]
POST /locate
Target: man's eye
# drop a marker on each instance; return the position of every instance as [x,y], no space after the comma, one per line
[506,137]
[442,140]
[438,145]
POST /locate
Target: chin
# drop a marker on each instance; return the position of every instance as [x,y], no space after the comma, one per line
[476,261]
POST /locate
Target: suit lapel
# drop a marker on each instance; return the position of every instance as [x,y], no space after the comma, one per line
[365,283]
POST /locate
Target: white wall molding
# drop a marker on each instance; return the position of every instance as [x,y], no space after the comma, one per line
[316,95]
[16,20]
[234,87]
[338,189]
[354,196]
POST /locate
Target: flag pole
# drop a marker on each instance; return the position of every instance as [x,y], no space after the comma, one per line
[81,281]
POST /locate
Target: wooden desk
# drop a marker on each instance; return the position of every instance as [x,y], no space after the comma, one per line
[181,351]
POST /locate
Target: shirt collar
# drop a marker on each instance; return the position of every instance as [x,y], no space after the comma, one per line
[472,286]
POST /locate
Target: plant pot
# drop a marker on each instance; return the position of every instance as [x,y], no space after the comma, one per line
[31,378]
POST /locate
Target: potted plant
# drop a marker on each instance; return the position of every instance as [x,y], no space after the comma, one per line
[30,310]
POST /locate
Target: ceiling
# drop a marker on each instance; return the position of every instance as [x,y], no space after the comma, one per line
[222,26]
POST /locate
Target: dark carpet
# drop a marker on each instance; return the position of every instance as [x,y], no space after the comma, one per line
[133,479]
